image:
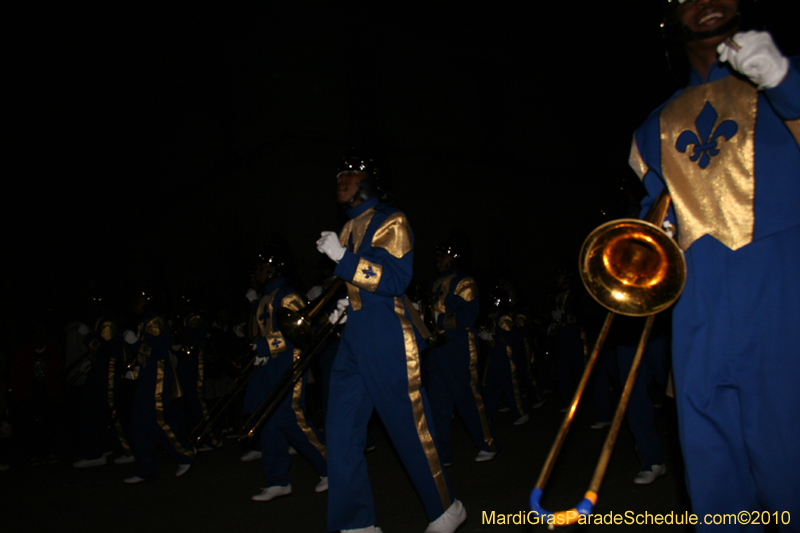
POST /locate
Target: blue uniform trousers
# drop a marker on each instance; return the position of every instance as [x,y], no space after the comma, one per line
[736,361]
[453,384]
[377,367]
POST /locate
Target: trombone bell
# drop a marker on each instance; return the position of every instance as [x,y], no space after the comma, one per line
[632,267]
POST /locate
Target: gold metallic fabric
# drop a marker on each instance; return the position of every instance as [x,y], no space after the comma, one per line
[467,289]
[155,326]
[794,129]
[716,200]
[108,330]
[297,393]
[162,423]
[357,227]
[442,284]
[636,161]
[473,382]
[506,322]
[394,235]
[414,394]
[515,381]
[368,275]
[275,340]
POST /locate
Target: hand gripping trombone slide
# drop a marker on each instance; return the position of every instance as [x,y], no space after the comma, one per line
[633,268]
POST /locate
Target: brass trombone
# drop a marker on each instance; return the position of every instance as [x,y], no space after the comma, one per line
[206,425]
[634,268]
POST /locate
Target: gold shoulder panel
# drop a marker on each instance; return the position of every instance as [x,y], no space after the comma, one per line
[506,322]
[467,289]
[155,326]
[394,236]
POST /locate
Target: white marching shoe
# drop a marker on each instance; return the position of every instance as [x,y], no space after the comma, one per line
[322,486]
[252,455]
[86,463]
[483,455]
[271,493]
[453,517]
[645,477]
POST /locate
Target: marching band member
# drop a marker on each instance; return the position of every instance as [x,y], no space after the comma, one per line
[275,355]
[378,363]
[726,148]
[453,366]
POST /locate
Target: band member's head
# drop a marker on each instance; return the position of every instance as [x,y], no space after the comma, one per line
[357,180]
[690,21]
[269,263]
[503,295]
[448,255]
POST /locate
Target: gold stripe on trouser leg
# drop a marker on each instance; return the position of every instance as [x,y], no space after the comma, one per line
[301,418]
[162,423]
[414,394]
[473,382]
[514,382]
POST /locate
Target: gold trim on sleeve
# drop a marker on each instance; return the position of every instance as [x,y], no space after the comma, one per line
[368,275]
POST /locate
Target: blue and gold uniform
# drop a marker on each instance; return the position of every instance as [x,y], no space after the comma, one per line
[152,425]
[287,425]
[453,367]
[728,153]
[378,367]
[101,392]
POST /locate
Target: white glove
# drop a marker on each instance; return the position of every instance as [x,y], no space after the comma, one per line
[759,59]
[83,329]
[251,295]
[485,335]
[341,307]
[130,337]
[238,330]
[329,245]
[260,361]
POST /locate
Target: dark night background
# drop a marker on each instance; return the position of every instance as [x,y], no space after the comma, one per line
[160,143]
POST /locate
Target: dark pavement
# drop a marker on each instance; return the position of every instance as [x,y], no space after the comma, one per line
[215,494]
